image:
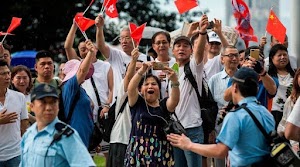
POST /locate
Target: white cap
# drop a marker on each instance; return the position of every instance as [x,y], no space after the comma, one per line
[213,37]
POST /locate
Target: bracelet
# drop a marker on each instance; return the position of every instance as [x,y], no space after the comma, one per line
[106,105]
[140,74]
[175,84]
[203,33]
[263,74]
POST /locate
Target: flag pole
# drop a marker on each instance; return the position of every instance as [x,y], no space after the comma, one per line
[104,6]
[269,16]
[130,36]
[83,33]
[88,7]
[4,38]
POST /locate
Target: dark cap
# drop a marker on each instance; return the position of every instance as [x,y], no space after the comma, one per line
[43,90]
[244,74]
[182,38]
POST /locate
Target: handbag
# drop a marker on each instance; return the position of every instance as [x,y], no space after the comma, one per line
[173,126]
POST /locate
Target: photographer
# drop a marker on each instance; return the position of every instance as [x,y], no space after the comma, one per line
[236,137]
[267,85]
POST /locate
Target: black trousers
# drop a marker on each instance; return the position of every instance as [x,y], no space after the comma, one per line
[277,117]
[116,155]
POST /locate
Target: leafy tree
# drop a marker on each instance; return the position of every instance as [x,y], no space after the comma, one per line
[45,23]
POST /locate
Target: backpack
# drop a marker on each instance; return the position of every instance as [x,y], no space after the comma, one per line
[108,123]
[209,108]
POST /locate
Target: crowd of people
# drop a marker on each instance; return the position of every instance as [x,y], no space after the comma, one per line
[49,121]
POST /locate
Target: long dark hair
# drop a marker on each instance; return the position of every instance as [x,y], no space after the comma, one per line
[18,69]
[272,69]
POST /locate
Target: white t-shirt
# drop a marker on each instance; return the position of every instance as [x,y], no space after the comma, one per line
[121,130]
[188,108]
[285,83]
[294,117]
[119,61]
[164,82]
[10,134]
[101,69]
[212,66]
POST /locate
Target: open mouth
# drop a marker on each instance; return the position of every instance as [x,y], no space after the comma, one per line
[150,91]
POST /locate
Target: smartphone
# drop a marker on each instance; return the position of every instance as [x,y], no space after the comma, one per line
[159,65]
[211,25]
[255,53]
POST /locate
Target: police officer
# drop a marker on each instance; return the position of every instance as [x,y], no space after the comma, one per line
[49,142]
[239,136]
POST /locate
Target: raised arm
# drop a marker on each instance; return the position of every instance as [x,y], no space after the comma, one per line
[200,45]
[100,41]
[175,93]
[134,83]
[70,51]
[218,30]
[86,63]
[131,67]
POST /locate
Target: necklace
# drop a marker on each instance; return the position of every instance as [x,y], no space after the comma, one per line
[283,79]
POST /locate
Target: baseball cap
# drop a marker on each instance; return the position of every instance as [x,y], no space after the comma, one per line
[182,38]
[43,90]
[213,37]
[71,68]
[244,74]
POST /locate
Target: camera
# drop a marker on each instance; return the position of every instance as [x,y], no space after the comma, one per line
[229,107]
[211,25]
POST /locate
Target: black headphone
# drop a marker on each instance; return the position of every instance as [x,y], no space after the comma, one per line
[62,129]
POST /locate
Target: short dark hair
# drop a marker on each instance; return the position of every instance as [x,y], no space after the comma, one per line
[7,47]
[161,33]
[249,88]
[3,63]
[20,68]
[149,76]
[195,36]
[43,54]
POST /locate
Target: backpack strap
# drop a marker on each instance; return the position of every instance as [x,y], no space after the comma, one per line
[191,78]
[97,96]
[123,106]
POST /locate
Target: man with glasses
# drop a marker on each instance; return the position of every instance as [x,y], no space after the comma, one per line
[5,53]
[218,84]
[13,119]
[119,59]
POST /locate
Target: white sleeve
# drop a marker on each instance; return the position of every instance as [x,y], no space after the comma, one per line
[294,117]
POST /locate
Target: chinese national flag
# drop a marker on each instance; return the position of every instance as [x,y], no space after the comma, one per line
[275,27]
[111,8]
[15,22]
[185,5]
[136,32]
[83,23]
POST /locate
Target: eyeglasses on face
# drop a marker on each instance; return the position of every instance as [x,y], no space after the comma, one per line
[124,38]
[231,55]
[215,43]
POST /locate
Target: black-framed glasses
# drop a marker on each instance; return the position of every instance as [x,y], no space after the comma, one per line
[161,42]
[231,55]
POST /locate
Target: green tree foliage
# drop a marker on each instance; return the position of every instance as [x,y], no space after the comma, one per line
[45,23]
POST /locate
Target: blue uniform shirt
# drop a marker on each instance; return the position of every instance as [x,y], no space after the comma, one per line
[246,142]
[69,151]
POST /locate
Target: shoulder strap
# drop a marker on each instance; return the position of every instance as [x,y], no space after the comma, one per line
[191,78]
[258,124]
[72,107]
[96,92]
[123,106]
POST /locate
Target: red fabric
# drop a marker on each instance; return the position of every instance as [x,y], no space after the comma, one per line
[185,5]
[136,32]
[275,27]
[242,15]
[111,8]
[15,22]
[4,33]
[83,23]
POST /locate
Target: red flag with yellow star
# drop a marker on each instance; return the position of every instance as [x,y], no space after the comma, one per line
[275,27]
